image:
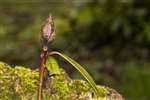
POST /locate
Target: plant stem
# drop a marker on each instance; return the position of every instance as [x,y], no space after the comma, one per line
[43,57]
[47,36]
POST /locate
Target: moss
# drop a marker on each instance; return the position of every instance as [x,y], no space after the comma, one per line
[20,83]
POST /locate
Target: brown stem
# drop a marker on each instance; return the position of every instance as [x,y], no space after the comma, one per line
[43,57]
[47,35]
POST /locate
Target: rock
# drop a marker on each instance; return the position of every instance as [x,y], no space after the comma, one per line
[20,83]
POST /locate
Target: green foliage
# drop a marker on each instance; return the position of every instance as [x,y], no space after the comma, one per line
[52,66]
[134,78]
[20,83]
[82,71]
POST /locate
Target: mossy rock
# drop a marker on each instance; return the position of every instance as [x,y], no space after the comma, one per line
[20,83]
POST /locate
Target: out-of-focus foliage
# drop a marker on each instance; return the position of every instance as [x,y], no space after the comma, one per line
[136,75]
[111,37]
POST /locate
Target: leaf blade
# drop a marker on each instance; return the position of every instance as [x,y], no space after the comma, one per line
[52,66]
[81,69]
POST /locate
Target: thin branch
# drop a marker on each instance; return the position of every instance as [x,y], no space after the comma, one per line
[43,58]
[47,35]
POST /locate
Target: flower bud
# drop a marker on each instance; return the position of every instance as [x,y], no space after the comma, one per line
[48,31]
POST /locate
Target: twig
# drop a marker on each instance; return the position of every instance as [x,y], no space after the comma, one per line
[47,35]
[43,57]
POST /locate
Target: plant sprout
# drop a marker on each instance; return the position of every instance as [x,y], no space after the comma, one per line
[47,36]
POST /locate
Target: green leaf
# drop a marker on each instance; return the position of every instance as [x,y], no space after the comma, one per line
[81,70]
[52,66]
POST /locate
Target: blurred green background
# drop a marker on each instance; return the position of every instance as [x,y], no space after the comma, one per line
[110,37]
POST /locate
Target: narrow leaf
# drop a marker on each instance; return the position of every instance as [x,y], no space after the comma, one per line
[81,69]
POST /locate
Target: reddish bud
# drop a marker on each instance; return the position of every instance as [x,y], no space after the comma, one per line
[47,31]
